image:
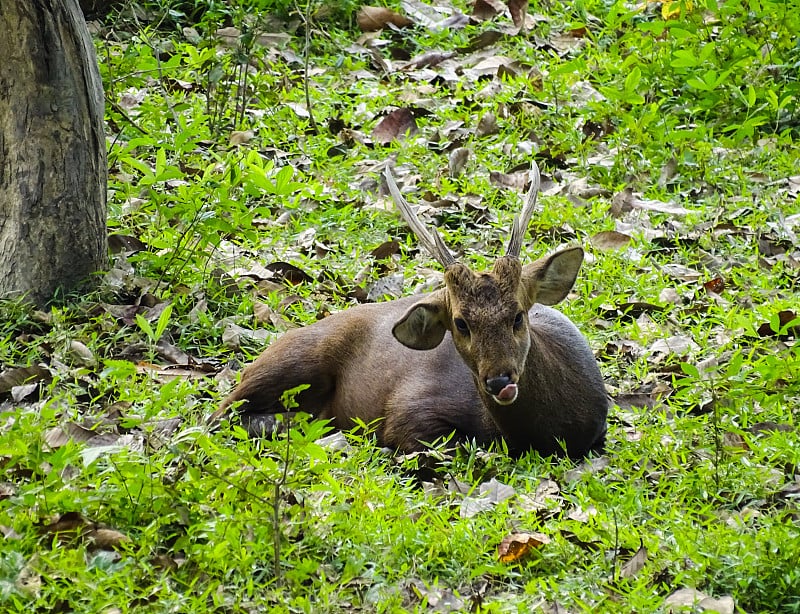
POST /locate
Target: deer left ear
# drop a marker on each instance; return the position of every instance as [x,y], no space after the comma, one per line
[423,326]
[549,280]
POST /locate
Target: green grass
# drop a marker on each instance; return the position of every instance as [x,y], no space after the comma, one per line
[701,471]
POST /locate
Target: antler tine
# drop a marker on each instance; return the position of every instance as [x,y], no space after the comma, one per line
[522,221]
[432,242]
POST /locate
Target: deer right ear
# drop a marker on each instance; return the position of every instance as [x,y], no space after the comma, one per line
[423,326]
[549,280]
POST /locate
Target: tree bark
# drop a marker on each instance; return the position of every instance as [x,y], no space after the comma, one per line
[53,169]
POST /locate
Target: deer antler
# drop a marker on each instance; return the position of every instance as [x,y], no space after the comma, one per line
[432,242]
[524,218]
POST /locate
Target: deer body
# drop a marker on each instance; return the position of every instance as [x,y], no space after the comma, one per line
[483,357]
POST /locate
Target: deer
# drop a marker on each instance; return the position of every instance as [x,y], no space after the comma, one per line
[484,358]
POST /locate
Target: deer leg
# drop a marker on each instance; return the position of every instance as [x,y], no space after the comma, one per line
[285,365]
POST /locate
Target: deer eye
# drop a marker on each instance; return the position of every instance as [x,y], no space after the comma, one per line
[518,320]
[461,326]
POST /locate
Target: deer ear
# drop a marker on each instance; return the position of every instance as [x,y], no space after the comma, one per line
[549,280]
[423,326]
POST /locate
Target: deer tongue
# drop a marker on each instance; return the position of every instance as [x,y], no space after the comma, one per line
[507,395]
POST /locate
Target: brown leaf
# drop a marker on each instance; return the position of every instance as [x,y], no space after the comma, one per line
[482,40]
[608,240]
[60,435]
[516,181]
[429,59]
[288,272]
[67,525]
[518,10]
[240,137]
[685,598]
[107,539]
[21,375]
[372,18]
[385,250]
[394,126]
[516,545]
[668,171]
[714,286]
[458,159]
[635,564]
[484,10]
[784,317]
[626,200]
[124,243]
[487,125]
[629,400]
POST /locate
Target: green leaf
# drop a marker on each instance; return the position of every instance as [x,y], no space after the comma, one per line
[690,370]
[163,321]
[144,325]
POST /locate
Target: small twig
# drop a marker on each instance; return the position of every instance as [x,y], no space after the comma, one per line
[306,53]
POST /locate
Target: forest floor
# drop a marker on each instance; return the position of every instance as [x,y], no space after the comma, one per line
[245,198]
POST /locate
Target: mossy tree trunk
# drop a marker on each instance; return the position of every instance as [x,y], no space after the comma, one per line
[53,169]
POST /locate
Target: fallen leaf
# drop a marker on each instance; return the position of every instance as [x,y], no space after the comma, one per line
[485,10]
[240,137]
[437,599]
[692,598]
[715,286]
[107,539]
[517,545]
[487,125]
[458,159]
[780,321]
[677,344]
[23,375]
[608,240]
[515,181]
[395,126]
[60,435]
[372,18]
[288,272]
[518,10]
[635,564]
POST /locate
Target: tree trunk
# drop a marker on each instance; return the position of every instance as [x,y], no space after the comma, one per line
[52,151]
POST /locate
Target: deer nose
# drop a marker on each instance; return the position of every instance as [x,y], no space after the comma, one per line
[494,385]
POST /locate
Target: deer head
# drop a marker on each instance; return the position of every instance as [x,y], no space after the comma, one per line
[486,312]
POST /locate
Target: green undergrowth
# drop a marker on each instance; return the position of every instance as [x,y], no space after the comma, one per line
[232,197]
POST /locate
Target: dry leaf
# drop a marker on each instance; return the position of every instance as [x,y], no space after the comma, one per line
[107,539]
[484,10]
[229,36]
[518,10]
[714,286]
[385,250]
[784,317]
[240,137]
[372,18]
[517,545]
[515,181]
[81,354]
[458,159]
[394,126]
[60,435]
[691,598]
[635,564]
[22,375]
[608,240]
[487,125]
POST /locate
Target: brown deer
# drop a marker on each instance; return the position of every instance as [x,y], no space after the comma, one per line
[481,358]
